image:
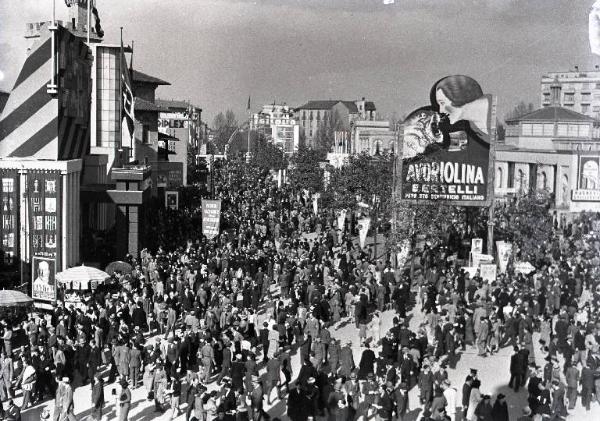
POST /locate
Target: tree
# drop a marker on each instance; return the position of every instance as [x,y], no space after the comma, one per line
[519,110]
[325,136]
[526,222]
[306,172]
[267,156]
[224,125]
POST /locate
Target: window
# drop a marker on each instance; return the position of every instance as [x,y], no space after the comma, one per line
[318,115]
[586,97]
[548,129]
[584,130]
[526,129]
[311,116]
[8,185]
[499,175]
[585,108]
[562,130]
[543,181]
[145,133]
[511,175]
[537,129]
[304,115]
[546,96]
[521,180]
[573,130]
[569,97]
[596,109]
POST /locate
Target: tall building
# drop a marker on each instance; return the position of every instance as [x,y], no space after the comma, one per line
[314,113]
[278,125]
[578,91]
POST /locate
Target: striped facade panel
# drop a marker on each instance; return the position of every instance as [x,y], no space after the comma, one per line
[39,125]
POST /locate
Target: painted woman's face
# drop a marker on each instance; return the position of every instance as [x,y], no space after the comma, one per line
[446,107]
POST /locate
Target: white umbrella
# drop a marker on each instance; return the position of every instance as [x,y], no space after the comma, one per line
[80,277]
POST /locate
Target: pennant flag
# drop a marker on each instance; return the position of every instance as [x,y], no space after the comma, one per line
[594,28]
[248,103]
[341,220]
[363,229]
[127,104]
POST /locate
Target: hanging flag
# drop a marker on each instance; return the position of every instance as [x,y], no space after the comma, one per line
[248,108]
[594,28]
[363,229]
[127,104]
[97,26]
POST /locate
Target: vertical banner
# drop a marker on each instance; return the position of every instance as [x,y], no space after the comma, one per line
[504,250]
[363,229]
[44,279]
[315,203]
[211,218]
[10,217]
[341,220]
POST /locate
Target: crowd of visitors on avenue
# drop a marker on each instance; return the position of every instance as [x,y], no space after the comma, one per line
[235,310]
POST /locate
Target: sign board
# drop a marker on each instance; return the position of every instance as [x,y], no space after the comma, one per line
[588,179]
[446,147]
[477,245]
[487,272]
[211,218]
[363,229]
[9,229]
[472,271]
[172,199]
[43,286]
[479,258]
[524,267]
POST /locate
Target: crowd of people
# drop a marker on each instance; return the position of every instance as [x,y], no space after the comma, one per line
[235,310]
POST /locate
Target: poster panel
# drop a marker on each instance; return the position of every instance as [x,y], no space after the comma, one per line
[504,250]
[43,287]
[172,200]
[477,245]
[588,179]
[488,272]
[363,229]
[446,145]
[211,217]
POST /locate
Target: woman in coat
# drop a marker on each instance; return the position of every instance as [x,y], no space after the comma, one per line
[97,397]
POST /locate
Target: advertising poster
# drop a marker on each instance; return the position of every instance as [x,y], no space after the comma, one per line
[341,220]
[588,179]
[477,245]
[44,282]
[211,218]
[504,250]
[446,145]
[363,229]
[488,272]
[479,258]
[172,200]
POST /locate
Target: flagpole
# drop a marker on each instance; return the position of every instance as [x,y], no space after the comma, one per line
[121,92]
[89,21]
[248,154]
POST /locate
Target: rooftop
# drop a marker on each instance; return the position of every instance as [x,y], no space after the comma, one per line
[172,104]
[144,105]
[144,78]
[328,104]
[553,114]
[3,98]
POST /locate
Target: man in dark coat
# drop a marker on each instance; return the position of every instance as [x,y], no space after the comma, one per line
[500,409]
[97,397]
[466,394]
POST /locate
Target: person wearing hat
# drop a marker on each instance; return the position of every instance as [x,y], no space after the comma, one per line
[63,402]
[483,411]
[124,400]
[13,412]
[450,395]
[500,409]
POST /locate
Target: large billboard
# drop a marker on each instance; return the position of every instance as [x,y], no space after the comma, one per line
[445,146]
[44,279]
[588,179]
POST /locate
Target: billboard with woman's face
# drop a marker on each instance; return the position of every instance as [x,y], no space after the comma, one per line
[445,146]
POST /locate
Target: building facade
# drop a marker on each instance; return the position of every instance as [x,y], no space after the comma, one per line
[313,114]
[277,124]
[553,149]
[578,91]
